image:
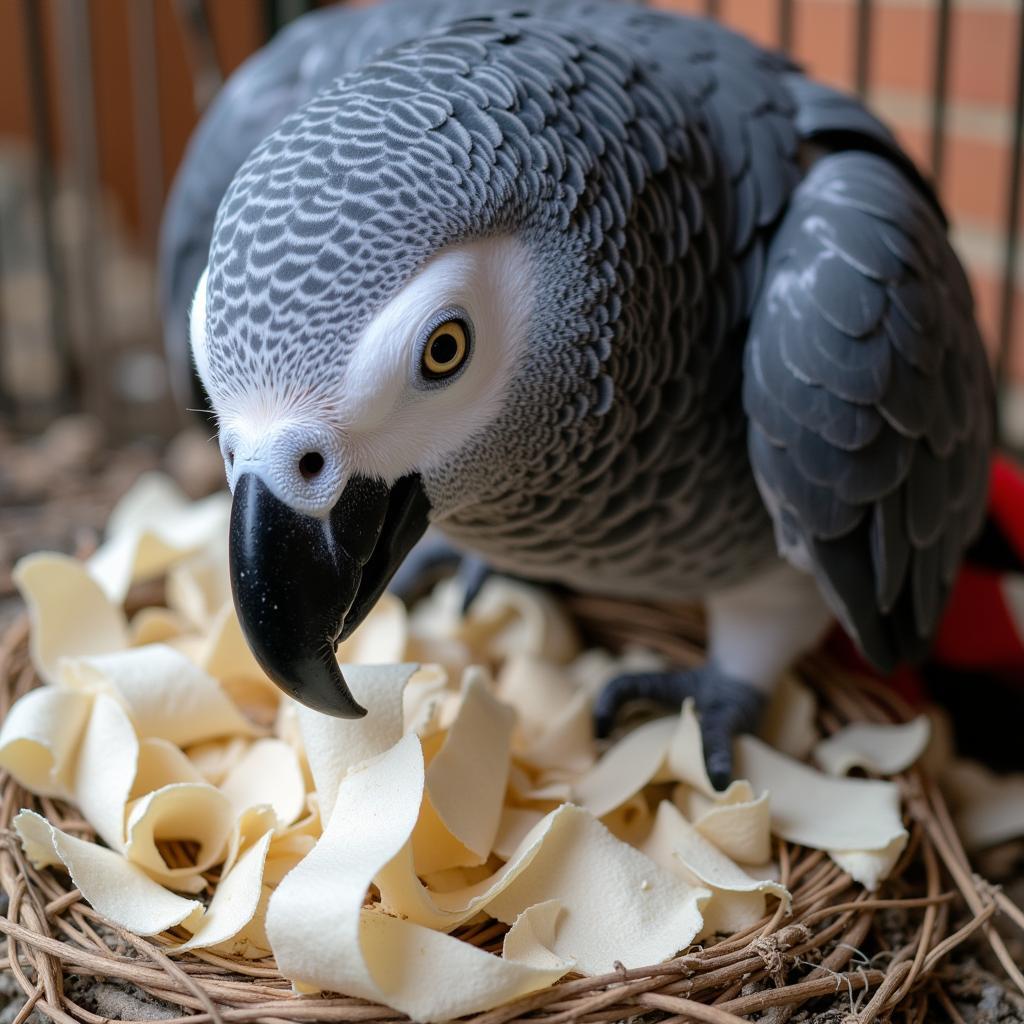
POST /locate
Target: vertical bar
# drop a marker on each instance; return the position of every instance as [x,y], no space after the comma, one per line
[711,8]
[863,51]
[46,189]
[74,37]
[277,13]
[149,163]
[200,51]
[940,88]
[785,25]
[270,19]
[1013,200]
[7,406]
[149,159]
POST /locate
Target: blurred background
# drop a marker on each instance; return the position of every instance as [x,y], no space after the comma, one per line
[97,101]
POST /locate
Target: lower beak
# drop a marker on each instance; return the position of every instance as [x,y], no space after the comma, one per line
[301,585]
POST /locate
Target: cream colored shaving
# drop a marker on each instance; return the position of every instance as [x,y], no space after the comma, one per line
[354,851]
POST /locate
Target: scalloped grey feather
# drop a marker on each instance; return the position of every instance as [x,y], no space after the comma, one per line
[738,351]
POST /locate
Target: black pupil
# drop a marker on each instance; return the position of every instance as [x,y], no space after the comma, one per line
[310,464]
[443,349]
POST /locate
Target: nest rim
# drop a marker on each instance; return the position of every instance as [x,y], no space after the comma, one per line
[53,934]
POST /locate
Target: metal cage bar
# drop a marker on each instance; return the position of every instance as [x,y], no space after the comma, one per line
[940,77]
[63,297]
[46,192]
[784,25]
[862,47]
[78,106]
[149,162]
[1007,302]
[200,51]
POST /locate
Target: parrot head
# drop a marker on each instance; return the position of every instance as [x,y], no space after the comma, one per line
[336,468]
[389,330]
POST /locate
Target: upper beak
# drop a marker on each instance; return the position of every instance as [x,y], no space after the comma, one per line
[301,584]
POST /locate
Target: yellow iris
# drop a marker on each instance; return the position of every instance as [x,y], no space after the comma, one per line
[446,349]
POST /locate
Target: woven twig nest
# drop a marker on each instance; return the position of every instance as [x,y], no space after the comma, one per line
[813,956]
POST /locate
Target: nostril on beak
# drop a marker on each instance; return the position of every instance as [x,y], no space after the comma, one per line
[310,465]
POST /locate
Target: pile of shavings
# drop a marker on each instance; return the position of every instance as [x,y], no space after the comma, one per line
[240,822]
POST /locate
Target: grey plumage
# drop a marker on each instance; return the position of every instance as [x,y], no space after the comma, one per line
[870,400]
[705,311]
[275,81]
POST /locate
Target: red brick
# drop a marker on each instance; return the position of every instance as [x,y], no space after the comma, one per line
[983,58]
[683,6]
[975,175]
[988,290]
[823,35]
[902,48]
[756,19]
[916,143]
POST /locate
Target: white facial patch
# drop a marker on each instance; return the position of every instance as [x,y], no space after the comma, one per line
[381,418]
[392,420]
[197,329]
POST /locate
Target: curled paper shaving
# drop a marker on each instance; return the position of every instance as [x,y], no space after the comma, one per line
[165,694]
[989,807]
[38,739]
[881,749]
[334,745]
[647,916]
[676,845]
[865,837]
[737,822]
[68,612]
[113,885]
[789,721]
[152,527]
[155,626]
[465,783]
[629,766]
[421,972]
[268,773]
[352,850]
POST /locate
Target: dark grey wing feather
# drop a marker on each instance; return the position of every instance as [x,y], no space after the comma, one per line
[836,120]
[870,400]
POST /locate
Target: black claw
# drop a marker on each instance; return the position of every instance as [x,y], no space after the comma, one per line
[725,706]
[721,776]
[717,754]
[668,689]
[432,560]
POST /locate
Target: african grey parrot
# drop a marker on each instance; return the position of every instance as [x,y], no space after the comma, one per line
[614,298]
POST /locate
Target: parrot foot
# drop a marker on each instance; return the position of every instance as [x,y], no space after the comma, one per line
[725,706]
[431,561]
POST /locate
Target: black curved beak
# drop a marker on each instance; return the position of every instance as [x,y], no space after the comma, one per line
[301,585]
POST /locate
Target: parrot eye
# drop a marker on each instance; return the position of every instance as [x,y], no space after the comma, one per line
[446,349]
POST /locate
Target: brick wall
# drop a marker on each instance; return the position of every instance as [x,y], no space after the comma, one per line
[981,88]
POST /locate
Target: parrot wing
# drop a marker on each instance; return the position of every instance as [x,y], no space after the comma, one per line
[870,401]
